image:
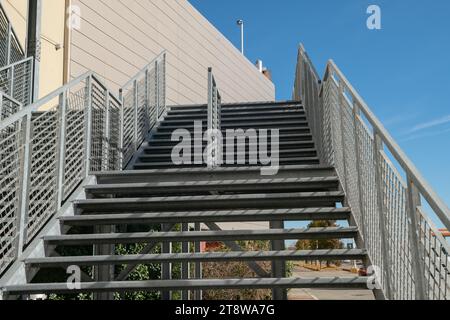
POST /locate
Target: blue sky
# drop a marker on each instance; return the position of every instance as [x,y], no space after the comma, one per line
[402,71]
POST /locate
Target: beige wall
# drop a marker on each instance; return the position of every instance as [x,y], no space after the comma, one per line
[53,21]
[118,37]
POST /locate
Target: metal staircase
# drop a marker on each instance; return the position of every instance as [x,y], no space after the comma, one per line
[83,171]
[163,193]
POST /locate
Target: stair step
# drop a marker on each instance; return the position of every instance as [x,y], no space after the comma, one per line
[201,174]
[235,186]
[236,108]
[236,114]
[281,125]
[208,202]
[302,255]
[164,138]
[168,121]
[284,153]
[152,149]
[207,284]
[195,236]
[282,161]
[307,214]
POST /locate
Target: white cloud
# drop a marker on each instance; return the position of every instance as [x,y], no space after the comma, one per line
[431,124]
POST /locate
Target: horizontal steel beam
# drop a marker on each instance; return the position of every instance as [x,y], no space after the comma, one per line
[193,187]
[228,235]
[304,255]
[240,201]
[263,283]
[306,214]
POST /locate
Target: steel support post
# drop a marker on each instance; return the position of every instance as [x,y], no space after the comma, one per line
[166,268]
[278,267]
[62,115]
[377,155]
[26,129]
[185,294]
[88,126]
[34,41]
[104,273]
[157,90]
[417,251]
[106,136]
[198,294]
[136,114]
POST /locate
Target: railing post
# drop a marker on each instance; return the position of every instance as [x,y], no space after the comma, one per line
[62,110]
[341,106]
[24,184]
[106,135]
[136,113]
[147,97]
[8,46]
[157,90]
[418,260]
[121,129]
[88,125]
[377,151]
[356,113]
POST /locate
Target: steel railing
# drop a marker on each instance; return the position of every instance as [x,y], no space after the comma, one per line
[49,148]
[394,207]
[214,147]
[16,80]
[144,104]
[10,49]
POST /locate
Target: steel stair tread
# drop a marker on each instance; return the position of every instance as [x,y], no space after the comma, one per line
[225,235]
[290,255]
[253,283]
[214,185]
[306,214]
[291,160]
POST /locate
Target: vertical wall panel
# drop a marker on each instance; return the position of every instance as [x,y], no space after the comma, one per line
[118,37]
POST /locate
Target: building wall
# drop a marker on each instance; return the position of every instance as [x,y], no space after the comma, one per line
[118,37]
[53,22]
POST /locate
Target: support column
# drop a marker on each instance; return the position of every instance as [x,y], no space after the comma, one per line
[198,294]
[166,268]
[33,48]
[185,294]
[104,273]
[278,267]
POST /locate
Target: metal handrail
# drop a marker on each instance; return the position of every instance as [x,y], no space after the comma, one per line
[16,80]
[49,148]
[11,39]
[399,235]
[144,105]
[436,203]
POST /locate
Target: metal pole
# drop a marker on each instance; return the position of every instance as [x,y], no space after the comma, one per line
[25,183]
[241,24]
[88,125]
[414,201]
[166,268]
[278,267]
[377,152]
[62,146]
[34,41]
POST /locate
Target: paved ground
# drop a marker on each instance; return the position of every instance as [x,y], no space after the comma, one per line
[322,294]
